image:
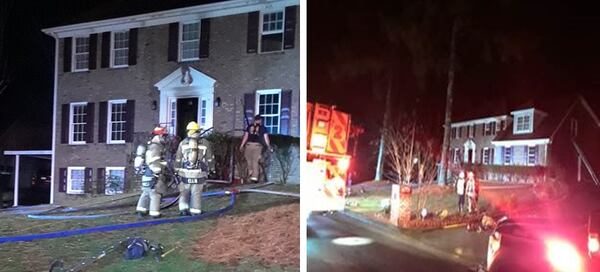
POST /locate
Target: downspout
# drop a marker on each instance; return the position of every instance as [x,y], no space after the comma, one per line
[54,100]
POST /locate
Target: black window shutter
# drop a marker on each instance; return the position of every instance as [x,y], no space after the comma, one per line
[129,120]
[93,51]
[285,114]
[100,180]
[249,101]
[133,44]
[105,54]
[64,128]
[173,42]
[67,47]
[252,38]
[87,184]
[289,31]
[102,115]
[89,123]
[126,183]
[204,37]
[62,180]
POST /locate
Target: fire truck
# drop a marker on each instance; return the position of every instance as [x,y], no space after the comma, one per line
[327,157]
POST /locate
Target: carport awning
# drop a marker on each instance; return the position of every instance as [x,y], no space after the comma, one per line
[18,154]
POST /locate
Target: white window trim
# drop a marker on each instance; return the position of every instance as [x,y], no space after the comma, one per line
[71,105]
[113,168]
[74,192]
[73,54]
[261,33]
[112,49]
[257,104]
[180,39]
[516,122]
[535,155]
[108,121]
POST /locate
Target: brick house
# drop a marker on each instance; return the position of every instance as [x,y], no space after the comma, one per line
[115,79]
[522,145]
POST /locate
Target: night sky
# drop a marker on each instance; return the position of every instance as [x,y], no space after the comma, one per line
[509,53]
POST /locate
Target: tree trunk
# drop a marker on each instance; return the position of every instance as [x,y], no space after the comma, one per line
[386,116]
[449,91]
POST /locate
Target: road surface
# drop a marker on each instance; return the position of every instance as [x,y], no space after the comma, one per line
[376,253]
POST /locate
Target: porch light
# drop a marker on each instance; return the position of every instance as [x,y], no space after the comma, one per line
[154,105]
[218,102]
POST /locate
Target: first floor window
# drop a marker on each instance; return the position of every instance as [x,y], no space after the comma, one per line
[272,32]
[486,155]
[532,155]
[81,53]
[115,180]
[189,43]
[78,122]
[268,106]
[116,121]
[507,155]
[75,180]
[120,49]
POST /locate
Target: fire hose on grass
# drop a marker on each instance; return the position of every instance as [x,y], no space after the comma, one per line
[106,228]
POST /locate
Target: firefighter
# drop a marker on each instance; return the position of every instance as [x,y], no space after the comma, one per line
[150,164]
[192,159]
[255,138]
[460,191]
[472,191]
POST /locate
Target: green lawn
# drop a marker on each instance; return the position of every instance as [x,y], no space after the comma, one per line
[37,255]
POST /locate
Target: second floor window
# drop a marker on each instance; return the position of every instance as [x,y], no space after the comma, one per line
[272,32]
[269,102]
[81,53]
[523,124]
[120,49]
[78,123]
[189,43]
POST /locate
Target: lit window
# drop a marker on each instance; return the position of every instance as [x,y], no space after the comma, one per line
[486,155]
[81,53]
[120,49]
[203,103]
[268,107]
[173,117]
[189,43]
[78,122]
[116,121]
[272,32]
[507,155]
[532,155]
[75,180]
[114,180]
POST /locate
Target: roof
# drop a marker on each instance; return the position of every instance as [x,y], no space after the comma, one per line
[136,13]
[548,114]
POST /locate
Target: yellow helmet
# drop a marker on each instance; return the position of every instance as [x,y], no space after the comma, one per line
[192,126]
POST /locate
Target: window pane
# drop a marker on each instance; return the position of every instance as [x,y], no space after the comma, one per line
[271,42]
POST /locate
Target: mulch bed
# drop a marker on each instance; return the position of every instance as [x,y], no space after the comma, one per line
[271,237]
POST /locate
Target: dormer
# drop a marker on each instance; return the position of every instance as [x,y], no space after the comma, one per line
[523,121]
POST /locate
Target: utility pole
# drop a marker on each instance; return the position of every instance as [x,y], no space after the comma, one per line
[448,119]
[386,116]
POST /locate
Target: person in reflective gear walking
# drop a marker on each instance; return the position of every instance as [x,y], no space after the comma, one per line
[255,138]
[472,190]
[192,159]
[150,164]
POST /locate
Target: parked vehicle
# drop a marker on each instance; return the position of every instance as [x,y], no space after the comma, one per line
[542,245]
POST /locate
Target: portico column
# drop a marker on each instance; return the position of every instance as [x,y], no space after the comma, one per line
[16,190]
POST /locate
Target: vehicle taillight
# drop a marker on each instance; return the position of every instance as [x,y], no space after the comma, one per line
[343,164]
[494,246]
[563,256]
[593,243]
[318,142]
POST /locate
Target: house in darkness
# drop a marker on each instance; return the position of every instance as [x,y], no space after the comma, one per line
[521,145]
[116,78]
